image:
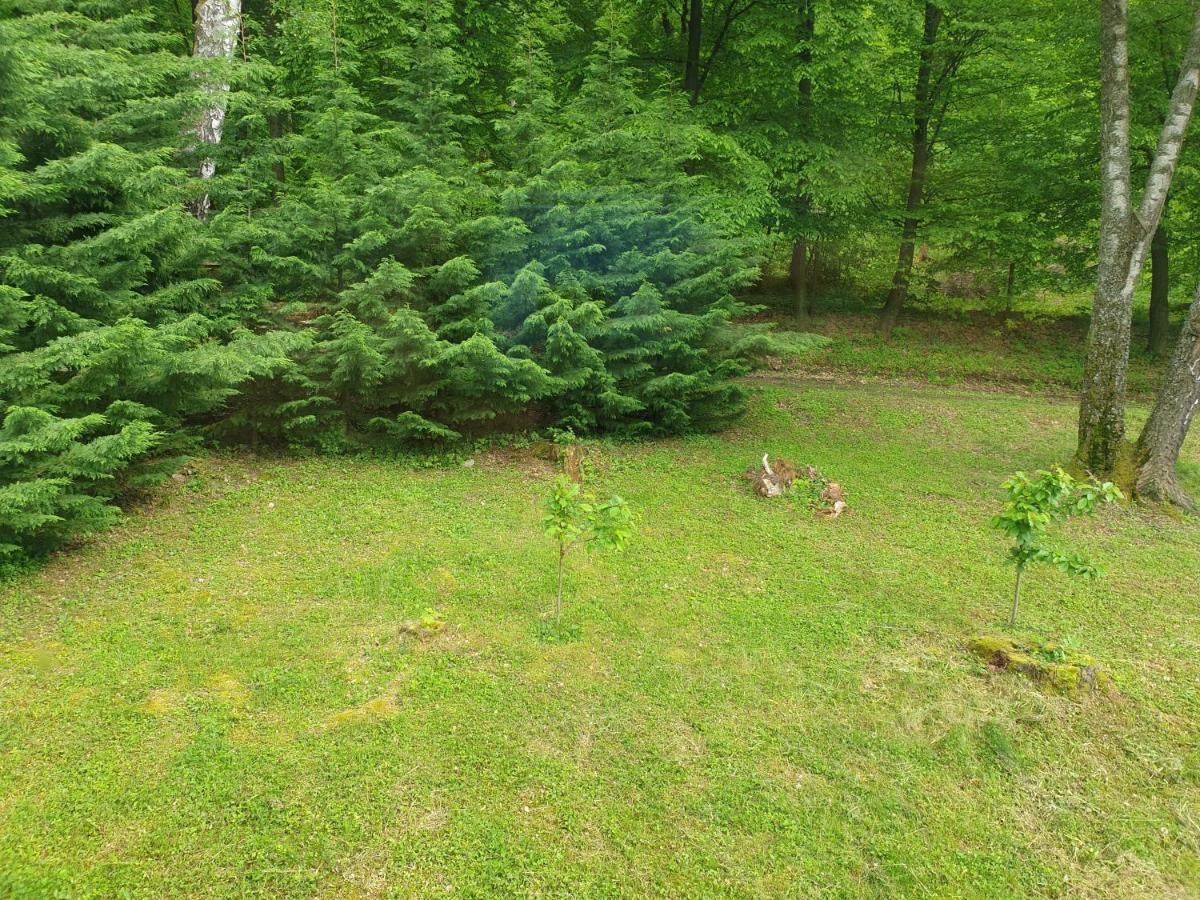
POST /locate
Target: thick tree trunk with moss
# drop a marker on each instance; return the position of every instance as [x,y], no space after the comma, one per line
[916,181]
[1160,291]
[217,25]
[1125,234]
[1167,428]
[1102,407]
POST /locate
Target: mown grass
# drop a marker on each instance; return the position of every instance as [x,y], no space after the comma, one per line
[217,698]
[1039,347]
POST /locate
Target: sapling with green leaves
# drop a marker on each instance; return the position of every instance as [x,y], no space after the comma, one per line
[1035,503]
[575,518]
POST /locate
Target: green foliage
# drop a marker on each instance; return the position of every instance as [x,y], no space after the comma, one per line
[593,287]
[57,475]
[575,518]
[1036,503]
[107,348]
[631,301]
[367,276]
[433,221]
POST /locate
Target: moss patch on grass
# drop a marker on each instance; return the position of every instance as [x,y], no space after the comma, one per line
[381,707]
[1049,664]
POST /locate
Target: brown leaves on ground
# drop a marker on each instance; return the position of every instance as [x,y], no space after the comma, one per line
[769,481]
[778,478]
[832,502]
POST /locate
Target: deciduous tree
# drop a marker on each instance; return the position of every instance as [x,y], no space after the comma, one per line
[1126,231]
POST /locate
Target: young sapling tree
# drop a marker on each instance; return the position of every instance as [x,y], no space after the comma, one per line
[1035,503]
[575,518]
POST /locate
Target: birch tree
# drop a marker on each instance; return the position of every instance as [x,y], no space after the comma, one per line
[1125,232]
[217,25]
[1166,429]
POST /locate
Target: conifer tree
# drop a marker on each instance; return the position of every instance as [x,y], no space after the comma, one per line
[106,350]
[633,261]
[364,275]
[369,244]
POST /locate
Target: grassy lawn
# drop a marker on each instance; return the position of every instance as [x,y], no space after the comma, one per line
[1039,348]
[218,698]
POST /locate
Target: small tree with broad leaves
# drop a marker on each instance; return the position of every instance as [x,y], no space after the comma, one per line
[574,517]
[1038,501]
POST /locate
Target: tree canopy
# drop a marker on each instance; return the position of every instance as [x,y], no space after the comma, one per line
[346,224]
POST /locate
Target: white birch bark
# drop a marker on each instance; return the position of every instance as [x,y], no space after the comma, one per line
[217,25]
[1125,234]
[1172,416]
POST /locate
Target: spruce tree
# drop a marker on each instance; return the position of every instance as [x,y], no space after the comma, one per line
[368,248]
[106,349]
[364,275]
[634,262]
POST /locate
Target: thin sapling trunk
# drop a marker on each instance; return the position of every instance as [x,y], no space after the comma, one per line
[1012,616]
[562,557]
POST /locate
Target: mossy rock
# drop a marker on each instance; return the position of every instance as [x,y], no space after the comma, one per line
[1051,665]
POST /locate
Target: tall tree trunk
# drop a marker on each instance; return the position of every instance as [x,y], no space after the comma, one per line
[800,252]
[916,181]
[217,25]
[1160,287]
[814,276]
[798,277]
[1125,234]
[691,68]
[1008,285]
[1102,407]
[1166,429]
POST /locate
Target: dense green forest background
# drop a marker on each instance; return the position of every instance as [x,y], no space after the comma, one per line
[428,220]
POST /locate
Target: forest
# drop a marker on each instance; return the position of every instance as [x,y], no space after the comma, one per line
[322,323]
[344,227]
